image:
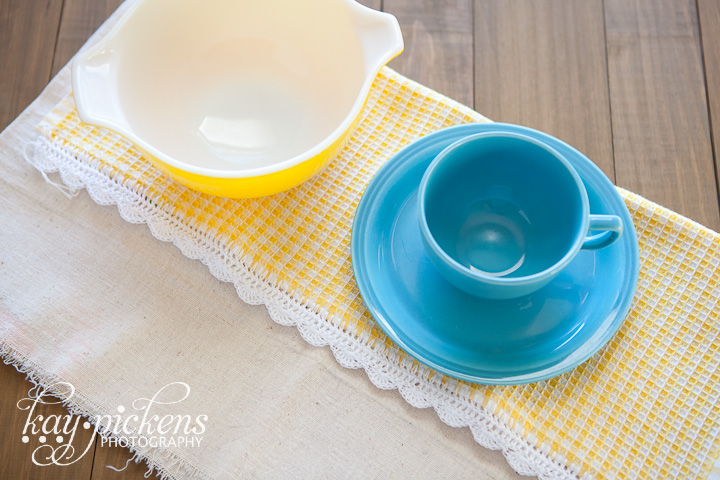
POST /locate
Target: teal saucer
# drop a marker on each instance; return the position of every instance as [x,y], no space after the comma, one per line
[500,342]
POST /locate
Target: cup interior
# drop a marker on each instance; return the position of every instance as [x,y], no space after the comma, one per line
[504,205]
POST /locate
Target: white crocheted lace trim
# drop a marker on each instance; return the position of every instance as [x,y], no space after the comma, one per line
[349,350]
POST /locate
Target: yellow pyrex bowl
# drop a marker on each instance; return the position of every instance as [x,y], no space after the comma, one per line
[237,98]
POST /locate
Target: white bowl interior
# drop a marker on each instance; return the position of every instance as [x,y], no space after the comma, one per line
[238,84]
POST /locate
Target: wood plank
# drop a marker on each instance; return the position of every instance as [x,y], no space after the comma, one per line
[438,45]
[376,4]
[80,19]
[541,63]
[117,457]
[709,16]
[28,29]
[17,456]
[659,111]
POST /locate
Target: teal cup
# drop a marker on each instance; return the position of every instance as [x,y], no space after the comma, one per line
[502,214]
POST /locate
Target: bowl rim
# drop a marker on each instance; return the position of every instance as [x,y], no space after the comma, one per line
[87,116]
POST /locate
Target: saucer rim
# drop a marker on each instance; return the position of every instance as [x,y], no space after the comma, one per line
[589,172]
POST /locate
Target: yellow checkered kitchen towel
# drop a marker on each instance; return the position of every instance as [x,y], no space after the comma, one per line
[645,406]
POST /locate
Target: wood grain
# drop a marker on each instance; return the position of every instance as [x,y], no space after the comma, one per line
[438,45]
[541,63]
[28,29]
[637,81]
[659,111]
[117,457]
[16,457]
[709,16]
[376,4]
[80,19]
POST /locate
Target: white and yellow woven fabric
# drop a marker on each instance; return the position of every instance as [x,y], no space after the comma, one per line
[646,406]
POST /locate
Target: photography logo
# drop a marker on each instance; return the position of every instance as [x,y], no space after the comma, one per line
[154,422]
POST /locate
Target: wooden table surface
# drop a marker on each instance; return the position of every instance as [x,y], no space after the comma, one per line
[634,84]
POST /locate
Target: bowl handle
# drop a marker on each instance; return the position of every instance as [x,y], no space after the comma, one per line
[380,36]
[94,84]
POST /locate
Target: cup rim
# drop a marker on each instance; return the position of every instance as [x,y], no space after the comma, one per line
[488,279]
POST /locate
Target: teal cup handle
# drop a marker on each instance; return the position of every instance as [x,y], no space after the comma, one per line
[613,226]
